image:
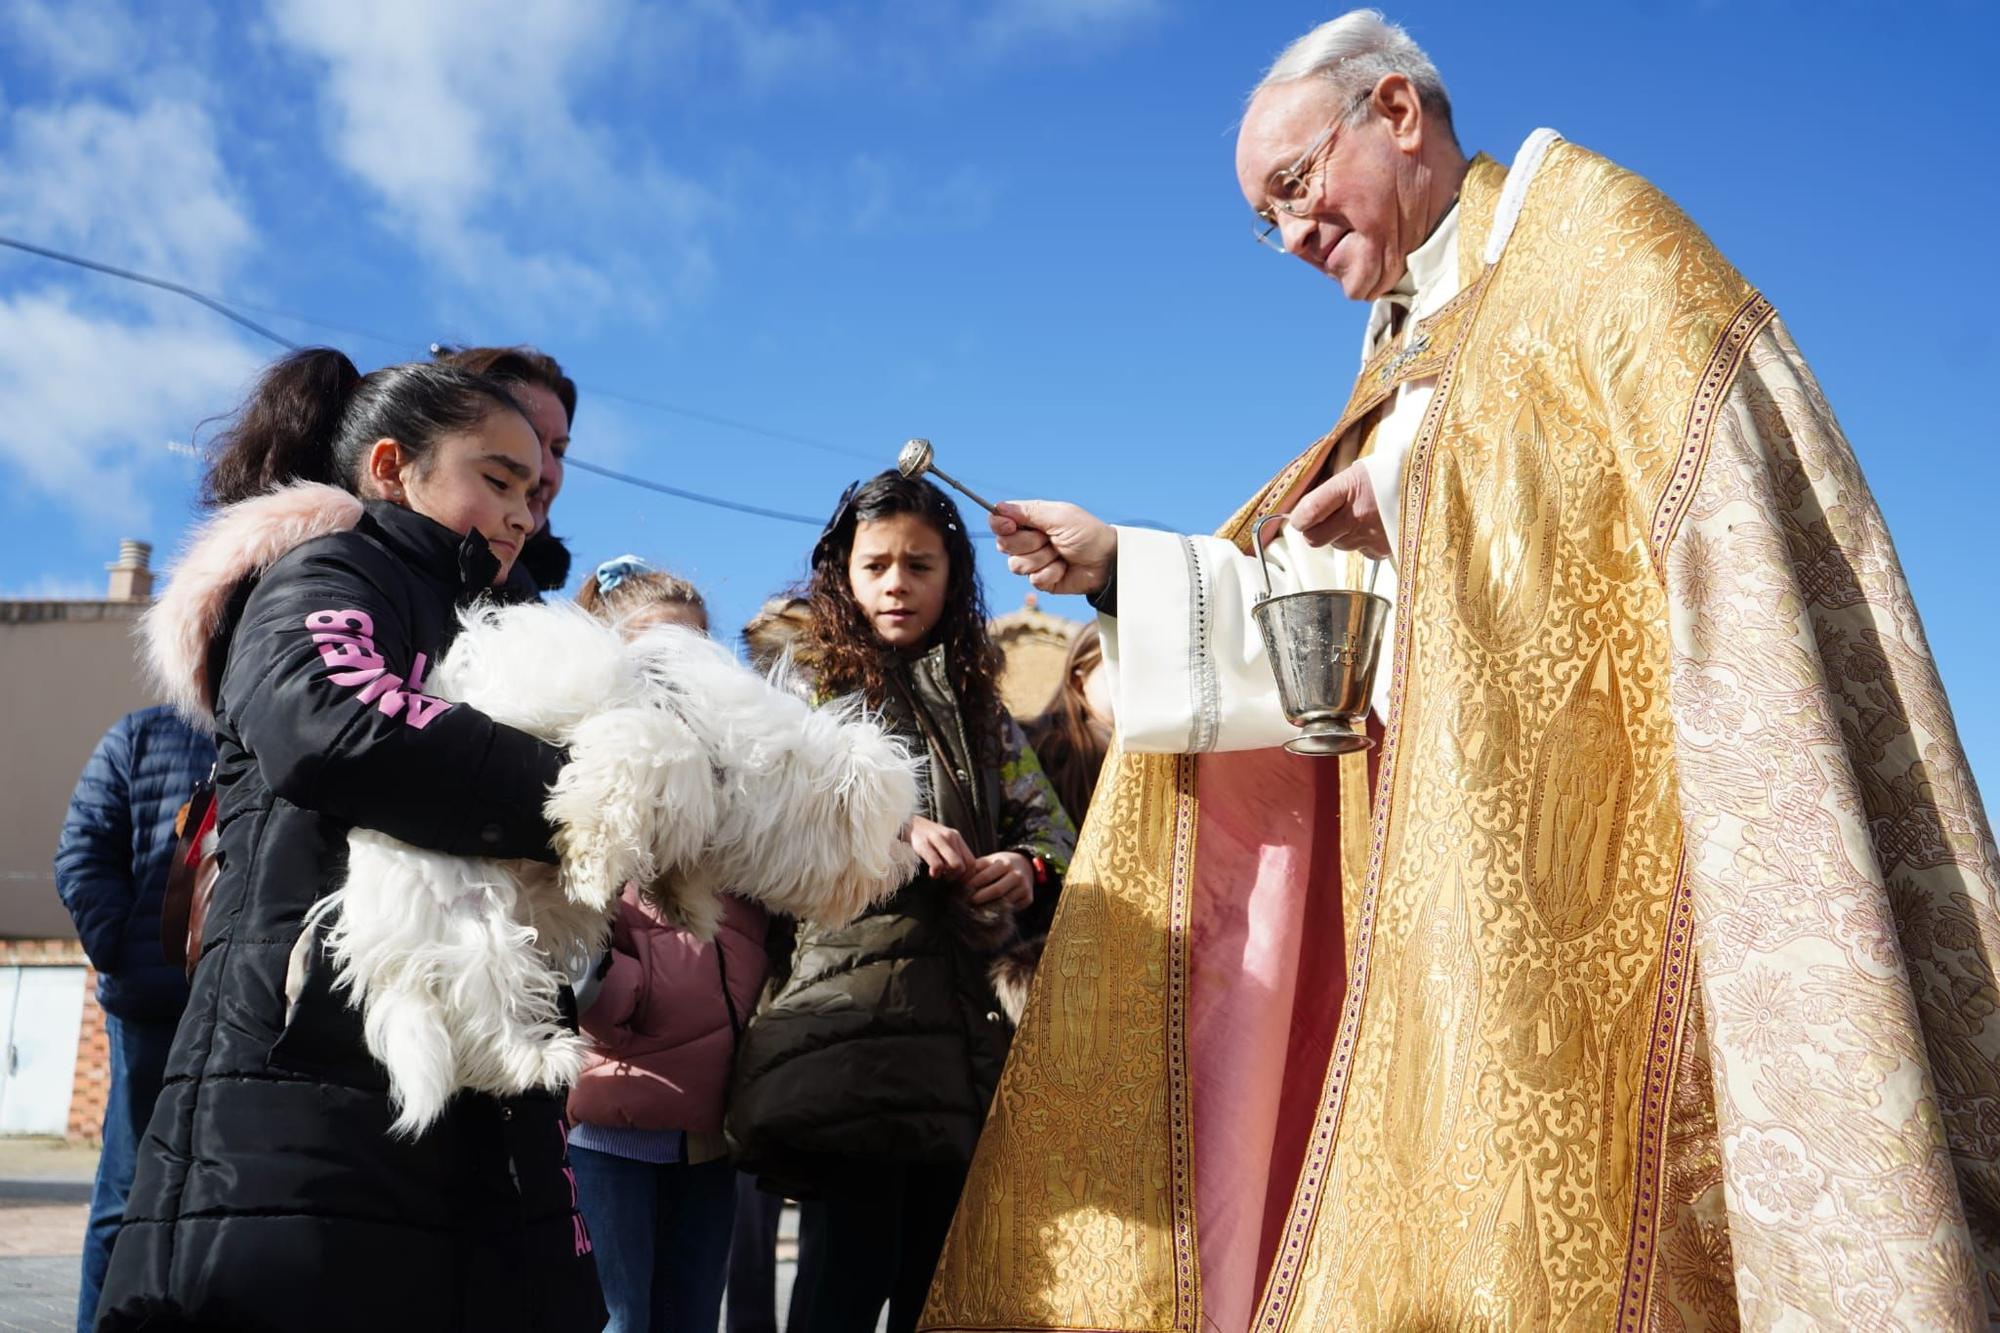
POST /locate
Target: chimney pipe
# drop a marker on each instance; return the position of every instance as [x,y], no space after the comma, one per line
[132,576]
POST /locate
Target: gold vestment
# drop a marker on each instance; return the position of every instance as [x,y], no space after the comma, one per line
[1671,925]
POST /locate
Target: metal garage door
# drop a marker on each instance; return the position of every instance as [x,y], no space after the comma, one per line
[42,1009]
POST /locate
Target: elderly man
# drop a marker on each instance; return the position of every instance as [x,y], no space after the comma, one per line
[1645,976]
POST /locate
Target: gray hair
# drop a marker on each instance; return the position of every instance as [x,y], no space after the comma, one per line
[1353,53]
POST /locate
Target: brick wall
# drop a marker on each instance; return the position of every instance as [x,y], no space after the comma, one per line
[41,953]
[93,1070]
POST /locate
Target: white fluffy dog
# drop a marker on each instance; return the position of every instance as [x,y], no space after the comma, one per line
[688,773]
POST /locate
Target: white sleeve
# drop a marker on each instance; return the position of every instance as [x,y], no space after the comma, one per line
[1186,659]
[1385,475]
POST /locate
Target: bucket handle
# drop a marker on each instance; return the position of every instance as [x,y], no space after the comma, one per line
[1257,536]
[1264,566]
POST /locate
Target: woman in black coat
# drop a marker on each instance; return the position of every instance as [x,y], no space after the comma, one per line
[270,1192]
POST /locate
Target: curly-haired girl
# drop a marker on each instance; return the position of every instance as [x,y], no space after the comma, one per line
[862,1086]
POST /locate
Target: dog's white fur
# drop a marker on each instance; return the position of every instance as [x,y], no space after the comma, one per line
[687,773]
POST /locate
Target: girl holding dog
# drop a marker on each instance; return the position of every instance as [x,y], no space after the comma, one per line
[271,1192]
[862,1085]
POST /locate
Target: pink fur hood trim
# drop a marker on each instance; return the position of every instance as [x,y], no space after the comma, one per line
[231,545]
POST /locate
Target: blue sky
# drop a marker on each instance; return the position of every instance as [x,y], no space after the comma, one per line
[1009,225]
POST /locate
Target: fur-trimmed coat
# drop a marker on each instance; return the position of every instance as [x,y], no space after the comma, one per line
[885,1040]
[270,1193]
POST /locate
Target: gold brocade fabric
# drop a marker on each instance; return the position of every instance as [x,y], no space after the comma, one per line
[1635,552]
[1489,1147]
[1084,1212]
[1846,890]
[1081,1174]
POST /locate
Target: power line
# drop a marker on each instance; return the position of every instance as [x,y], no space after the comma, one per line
[710,418]
[571,460]
[220,307]
[176,288]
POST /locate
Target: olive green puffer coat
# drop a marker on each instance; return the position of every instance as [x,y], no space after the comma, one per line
[885,1041]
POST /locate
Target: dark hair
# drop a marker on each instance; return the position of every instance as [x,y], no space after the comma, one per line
[514,365]
[842,650]
[313,417]
[1069,742]
[545,557]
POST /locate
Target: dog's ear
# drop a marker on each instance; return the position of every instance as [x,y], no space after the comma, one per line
[690,898]
[636,800]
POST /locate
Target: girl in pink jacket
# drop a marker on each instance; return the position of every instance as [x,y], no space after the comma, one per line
[653,1180]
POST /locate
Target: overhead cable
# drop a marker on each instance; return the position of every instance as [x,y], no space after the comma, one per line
[222,308]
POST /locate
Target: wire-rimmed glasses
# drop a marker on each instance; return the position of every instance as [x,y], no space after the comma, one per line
[1291,189]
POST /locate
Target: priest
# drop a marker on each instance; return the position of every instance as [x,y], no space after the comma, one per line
[1643,975]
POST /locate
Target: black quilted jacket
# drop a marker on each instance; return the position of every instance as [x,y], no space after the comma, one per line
[270,1194]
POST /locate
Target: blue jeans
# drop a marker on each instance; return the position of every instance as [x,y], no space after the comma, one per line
[138,1067]
[661,1237]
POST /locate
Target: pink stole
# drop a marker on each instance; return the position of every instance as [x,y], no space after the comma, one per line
[1268,973]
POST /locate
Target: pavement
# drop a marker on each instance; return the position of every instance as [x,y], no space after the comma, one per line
[44,1202]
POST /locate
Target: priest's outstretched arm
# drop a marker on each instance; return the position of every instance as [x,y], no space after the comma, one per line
[1187,663]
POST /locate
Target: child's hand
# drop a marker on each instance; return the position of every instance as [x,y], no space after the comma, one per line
[943,850]
[1008,877]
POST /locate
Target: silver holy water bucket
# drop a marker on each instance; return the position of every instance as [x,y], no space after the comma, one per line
[1323,647]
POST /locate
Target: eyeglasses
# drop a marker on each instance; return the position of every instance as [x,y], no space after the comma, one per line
[1291,189]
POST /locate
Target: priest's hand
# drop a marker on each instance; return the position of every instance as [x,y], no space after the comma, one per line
[1060,547]
[1341,512]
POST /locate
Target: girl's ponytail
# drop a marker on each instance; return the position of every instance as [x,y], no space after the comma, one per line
[286,431]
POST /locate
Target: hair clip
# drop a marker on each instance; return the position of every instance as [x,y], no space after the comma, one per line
[616,570]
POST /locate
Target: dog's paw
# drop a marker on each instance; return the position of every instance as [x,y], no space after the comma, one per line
[561,1060]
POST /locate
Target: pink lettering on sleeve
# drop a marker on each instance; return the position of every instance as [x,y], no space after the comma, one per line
[346,641]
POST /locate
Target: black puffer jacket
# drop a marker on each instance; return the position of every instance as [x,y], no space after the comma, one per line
[111,861]
[270,1193]
[886,1040]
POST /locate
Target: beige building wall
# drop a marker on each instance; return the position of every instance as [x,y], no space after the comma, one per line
[1035,645]
[71,670]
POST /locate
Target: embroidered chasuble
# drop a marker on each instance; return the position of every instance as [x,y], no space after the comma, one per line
[1643,977]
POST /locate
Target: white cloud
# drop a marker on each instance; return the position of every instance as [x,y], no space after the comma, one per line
[759,47]
[93,399]
[144,187]
[458,116]
[98,375]
[78,40]
[467,122]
